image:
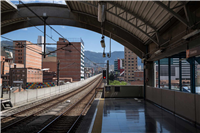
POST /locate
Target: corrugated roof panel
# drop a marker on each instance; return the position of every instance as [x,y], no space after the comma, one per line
[147,10]
[7,6]
[143,7]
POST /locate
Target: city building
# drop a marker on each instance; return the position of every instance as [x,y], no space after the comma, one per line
[48,76]
[111,68]
[6,64]
[89,72]
[40,41]
[174,72]
[50,62]
[119,65]
[139,75]
[130,64]
[28,54]
[71,59]
[27,75]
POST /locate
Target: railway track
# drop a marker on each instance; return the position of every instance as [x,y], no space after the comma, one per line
[66,122]
[29,114]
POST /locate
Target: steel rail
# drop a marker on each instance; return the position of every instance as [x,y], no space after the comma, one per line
[48,125]
[48,107]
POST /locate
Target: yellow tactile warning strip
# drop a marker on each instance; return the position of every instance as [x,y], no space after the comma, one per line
[98,120]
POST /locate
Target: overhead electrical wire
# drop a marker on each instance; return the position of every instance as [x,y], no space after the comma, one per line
[52,28]
[54,31]
[44,21]
[38,28]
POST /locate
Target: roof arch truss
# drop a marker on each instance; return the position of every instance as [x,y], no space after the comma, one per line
[129,17]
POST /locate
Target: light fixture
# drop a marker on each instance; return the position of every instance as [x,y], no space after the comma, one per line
[158,51]
[191,34]
[104,55]
[102,42]
[44,14]
[101,11]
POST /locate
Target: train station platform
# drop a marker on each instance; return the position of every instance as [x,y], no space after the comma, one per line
[129,115]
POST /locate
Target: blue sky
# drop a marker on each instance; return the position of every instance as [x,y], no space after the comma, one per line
[91,39]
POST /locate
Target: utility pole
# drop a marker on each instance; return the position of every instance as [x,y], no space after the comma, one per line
[107,72]
[45,18]
[58,69]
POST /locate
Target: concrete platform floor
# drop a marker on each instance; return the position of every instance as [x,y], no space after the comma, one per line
[131,116]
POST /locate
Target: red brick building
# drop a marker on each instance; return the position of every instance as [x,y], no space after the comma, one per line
[28,54]
[50,62]
[71,63]
[27,75]
[6,64]
[130,64]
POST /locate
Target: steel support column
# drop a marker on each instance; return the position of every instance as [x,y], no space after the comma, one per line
[144,80]
[58,72]
[158,73]
[180,74]
[192,75]
[169,73]
[45,18]
[107,72]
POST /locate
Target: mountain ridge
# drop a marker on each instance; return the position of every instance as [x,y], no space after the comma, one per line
[96,57]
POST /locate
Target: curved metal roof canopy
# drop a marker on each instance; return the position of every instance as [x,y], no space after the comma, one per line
[131,23]
[141,18]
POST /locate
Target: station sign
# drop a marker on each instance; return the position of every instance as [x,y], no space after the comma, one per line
[193,52]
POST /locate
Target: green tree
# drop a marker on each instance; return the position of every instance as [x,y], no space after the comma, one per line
[111,77]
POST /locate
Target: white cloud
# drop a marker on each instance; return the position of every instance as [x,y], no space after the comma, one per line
[53,1]
[28,1]
[25,29]
[60,2]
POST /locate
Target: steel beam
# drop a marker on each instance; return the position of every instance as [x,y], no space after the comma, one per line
[180,74]
[89,4]
[158,73]
[172,13]
[60,15]
[169,73]
[136,28]
[192,75]
[132,13]
[68,5]
[135,16]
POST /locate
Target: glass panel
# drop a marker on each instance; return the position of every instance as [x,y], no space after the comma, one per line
[175,74]
[156,73]
[186,76]
[197,77]
[164,73]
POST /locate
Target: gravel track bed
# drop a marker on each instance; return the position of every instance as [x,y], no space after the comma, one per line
[31,111]
[24,127]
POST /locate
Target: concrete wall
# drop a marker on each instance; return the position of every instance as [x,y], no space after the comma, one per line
[184,104]
[197,108]
[32,95]
[125,91]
